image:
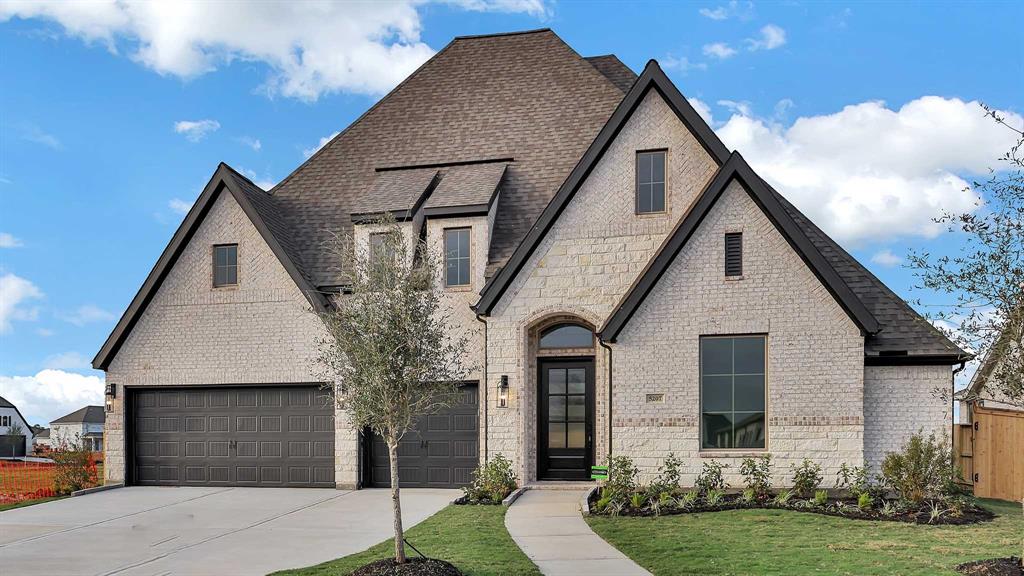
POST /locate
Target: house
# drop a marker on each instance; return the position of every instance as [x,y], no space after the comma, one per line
[42,438]
[629,285]
[15,433]
[84,426]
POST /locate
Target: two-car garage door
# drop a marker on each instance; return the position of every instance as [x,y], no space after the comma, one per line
[243,436]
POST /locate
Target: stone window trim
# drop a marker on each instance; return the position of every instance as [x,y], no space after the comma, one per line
[213,267]
[665,183]
[735,452]
[468,286]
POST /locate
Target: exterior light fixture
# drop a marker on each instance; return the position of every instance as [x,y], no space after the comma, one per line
[503,392]
[110,393]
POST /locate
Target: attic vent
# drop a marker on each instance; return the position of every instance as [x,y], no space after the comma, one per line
[734,254]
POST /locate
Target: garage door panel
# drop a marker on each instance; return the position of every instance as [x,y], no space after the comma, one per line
[441,453]
[233,436]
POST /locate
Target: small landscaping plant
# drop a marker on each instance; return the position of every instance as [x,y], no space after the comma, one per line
[865,501]
[806,478]
[75,468]
[492,482]
[622,480]
[757,476]
[922,470]
[821,498]
[710,477]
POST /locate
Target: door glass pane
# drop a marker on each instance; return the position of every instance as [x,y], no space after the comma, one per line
[577,435]
[749,393]
[577,380]
[556,408]
[749,355]
[716,356]
[716,393]
[577,408]
[556,435]
[749,430]
[717,431]
[556,381]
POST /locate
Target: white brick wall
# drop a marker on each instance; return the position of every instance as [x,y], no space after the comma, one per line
[901,400]
[193,334]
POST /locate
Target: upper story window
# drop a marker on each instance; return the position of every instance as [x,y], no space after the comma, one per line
[380,246]
[732,392]
[225,265]
[456,257]
[567,336]
[650,182]
[734,254]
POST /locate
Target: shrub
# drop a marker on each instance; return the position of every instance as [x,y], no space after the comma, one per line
[492,481]
[689,499]
[621,482]
[748,496]
[865,501]
[858,480]
[922,469]
[714,497]
[757,475]
[710,477]
[75,469]
[888,509]
[637,500]
[668,475]
[783,498]
[821,498]
[806,477]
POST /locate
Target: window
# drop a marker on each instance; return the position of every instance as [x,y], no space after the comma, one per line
[567,336]
[380,246]
[732,392]
[225,265]
[650,182]
[456,257]
[734,254]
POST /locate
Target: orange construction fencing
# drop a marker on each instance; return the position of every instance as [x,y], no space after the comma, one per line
[26,480]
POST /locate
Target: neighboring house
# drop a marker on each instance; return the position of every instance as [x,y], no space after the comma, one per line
[629,285]
[84,425]
[979,392]
[15,433]
[42,438]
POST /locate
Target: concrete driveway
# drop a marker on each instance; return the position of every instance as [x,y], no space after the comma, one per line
[201,531]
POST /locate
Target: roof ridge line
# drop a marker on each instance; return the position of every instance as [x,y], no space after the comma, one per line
[499,34]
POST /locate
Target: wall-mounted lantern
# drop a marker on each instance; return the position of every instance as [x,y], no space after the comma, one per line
[110,393]
[503,392]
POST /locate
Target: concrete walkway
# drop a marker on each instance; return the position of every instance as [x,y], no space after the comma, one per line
[549,528]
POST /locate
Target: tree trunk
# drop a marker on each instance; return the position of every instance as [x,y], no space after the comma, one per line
[396,503]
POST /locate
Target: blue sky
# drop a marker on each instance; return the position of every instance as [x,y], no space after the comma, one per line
[113,119]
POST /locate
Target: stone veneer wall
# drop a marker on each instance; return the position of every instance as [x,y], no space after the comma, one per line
[815,352]
[261,331]
[901,400]
[584,266]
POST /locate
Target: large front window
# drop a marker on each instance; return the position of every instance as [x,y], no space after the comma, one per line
[732,392]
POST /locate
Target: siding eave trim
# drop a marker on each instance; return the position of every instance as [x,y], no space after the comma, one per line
[916,360]
[223,178]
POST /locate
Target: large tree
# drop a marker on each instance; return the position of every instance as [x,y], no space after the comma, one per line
[984,281]
[392,350]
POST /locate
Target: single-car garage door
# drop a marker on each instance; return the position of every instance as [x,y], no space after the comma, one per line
[233,436]
[441,453]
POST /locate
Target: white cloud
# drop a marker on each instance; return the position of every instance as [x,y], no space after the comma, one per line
[323,142]
[9,241]
[720,13]
[309,49]
[45,332]
[253,143]
[196,130]
[180,206]
[703,109]
[771,38]
[35,134]
[51,394]
[742,108]
[870,173]
[66,361]
[887,258]
[88,314]
[15,291]
[733,9]
[719,50]
[682,64]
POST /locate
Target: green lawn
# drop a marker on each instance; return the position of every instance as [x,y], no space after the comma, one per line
[786,542]
[24,503]
[471,537]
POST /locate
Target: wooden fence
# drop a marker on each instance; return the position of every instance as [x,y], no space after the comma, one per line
[991,453]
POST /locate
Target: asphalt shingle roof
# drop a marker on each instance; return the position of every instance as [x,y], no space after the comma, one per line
[395,190]
[467,185]
[90,414]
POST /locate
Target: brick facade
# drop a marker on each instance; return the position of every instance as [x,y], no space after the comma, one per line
[900,401]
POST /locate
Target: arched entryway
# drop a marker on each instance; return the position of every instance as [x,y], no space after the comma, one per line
[564,349]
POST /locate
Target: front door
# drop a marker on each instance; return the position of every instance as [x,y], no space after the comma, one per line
[566,419]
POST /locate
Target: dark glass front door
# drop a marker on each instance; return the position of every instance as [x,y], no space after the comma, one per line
[566,419]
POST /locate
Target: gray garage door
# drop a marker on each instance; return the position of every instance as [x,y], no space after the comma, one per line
[441,453]
[239,436]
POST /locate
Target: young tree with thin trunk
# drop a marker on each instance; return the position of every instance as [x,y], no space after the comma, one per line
[392,349]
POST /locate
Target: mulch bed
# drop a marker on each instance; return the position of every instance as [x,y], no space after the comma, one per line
[994,567]
[412,567]
[971,515]
[465,501]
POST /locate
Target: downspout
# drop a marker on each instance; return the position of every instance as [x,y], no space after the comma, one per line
[952,396]
[609,349]
[480,319]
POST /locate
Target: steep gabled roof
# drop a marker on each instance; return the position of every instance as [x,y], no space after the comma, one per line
[88,415]
[614,70]
[736,169]
[264,214]
[4,403]
[652,78]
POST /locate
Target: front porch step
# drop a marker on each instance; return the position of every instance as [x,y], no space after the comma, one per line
[561,485]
